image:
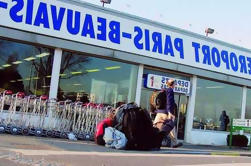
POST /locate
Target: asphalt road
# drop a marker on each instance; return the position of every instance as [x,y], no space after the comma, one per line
[19,150]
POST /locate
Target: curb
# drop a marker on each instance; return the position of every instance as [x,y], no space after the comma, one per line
[222,153]
[231,154]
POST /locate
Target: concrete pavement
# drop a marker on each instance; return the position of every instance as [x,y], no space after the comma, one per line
[39,143]
[21,150]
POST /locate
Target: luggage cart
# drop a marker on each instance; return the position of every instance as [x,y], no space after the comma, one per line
[15,112]
[41,115]
[5,103]
[66,116]
[12,119]
[28,106]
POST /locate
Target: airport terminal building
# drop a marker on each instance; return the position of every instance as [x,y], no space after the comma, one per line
[74,50]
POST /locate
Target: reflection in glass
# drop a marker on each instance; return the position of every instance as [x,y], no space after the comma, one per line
[211,99]
[90,79]
[25,68]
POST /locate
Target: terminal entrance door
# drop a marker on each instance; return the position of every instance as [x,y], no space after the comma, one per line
[181,101]
[154,79]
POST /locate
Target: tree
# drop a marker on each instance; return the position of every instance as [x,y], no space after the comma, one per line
[70,62]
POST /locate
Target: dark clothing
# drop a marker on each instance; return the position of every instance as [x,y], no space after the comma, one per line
[224,119]
[170,103]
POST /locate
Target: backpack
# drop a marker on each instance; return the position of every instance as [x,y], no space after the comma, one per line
[160,100]
[119,115]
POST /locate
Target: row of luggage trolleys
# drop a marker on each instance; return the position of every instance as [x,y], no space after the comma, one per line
[40,116]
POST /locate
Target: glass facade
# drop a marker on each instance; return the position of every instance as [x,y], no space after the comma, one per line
[25,68]
[248,105]
[211,99]
[89,79]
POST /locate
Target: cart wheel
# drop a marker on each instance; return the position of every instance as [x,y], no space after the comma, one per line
[53,134]
[63,135]
[31,131]
[25,131]
[2,129]
[49,133]
[8,128]
[57,134]
[87,137]
[14,130]
[91,137]
[81,136]
[39,132]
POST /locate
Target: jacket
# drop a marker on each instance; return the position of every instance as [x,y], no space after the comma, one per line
[170,103]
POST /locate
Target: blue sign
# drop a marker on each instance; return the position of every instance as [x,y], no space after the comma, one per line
[160,82]
[82,24]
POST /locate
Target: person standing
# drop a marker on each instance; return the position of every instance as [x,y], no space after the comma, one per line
[224,120]
[167,115]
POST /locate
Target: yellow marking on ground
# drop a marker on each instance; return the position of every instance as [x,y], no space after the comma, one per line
[226,164]
[225,153]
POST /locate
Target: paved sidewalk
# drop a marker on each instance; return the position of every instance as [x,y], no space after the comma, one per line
[36,143]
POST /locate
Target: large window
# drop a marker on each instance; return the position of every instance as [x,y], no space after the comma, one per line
[90,79]
[211,99]
[248,105]
[25,68]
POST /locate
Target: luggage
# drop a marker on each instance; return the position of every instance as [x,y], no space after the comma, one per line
[114,138]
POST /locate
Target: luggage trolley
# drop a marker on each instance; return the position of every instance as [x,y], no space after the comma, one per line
[5,103]
[12,116]
[50,118]
[33,115]
[66,115]
[58,120]
[16,111]
[41,115]
[28,107]
[77,114]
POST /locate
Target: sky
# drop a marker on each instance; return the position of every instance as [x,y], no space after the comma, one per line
[231,19]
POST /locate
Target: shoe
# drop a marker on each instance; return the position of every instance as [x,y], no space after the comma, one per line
[177,145]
